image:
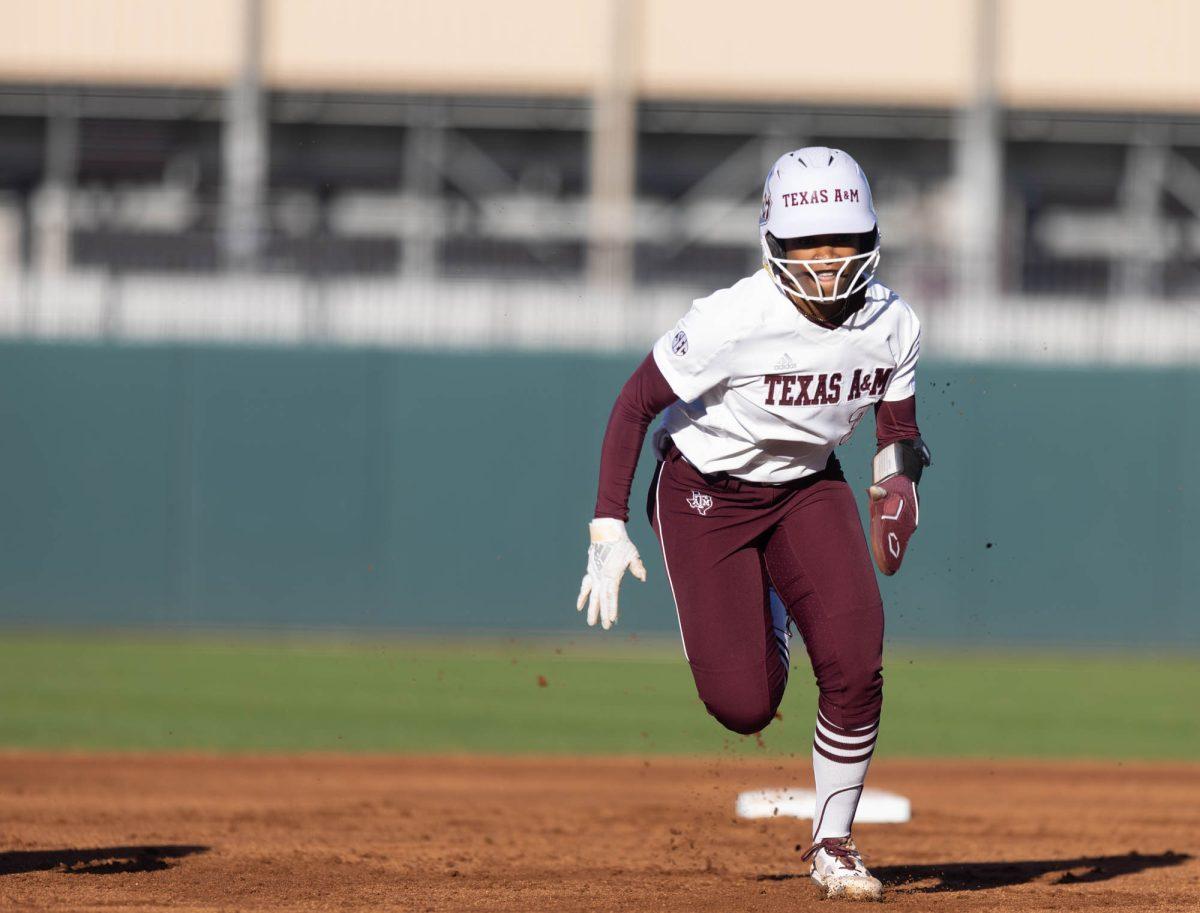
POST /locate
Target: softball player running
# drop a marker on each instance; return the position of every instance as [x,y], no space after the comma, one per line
[759,383]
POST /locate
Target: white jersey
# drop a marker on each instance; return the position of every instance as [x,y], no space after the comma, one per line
[765,393]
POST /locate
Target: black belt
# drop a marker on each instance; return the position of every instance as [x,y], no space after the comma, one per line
[832,470]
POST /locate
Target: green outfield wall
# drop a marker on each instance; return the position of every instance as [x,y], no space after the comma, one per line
[180,485]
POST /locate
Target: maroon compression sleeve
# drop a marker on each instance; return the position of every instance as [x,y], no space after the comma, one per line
[896,421]
[644,395]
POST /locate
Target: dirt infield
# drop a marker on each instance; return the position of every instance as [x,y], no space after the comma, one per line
[466,833]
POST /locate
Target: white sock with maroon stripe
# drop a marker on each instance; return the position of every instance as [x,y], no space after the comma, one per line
[841,757]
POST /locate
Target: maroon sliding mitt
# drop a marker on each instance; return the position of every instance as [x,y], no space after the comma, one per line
[894,506]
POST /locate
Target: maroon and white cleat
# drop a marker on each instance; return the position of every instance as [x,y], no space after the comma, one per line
[838,870]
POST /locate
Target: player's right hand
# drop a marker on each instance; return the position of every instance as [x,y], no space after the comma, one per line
[610,553]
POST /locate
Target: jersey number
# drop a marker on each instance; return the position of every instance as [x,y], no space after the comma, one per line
[855,418]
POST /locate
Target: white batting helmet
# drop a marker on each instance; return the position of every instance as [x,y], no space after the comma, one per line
[818,191]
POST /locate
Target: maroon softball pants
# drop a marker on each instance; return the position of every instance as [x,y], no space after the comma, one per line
[726,543]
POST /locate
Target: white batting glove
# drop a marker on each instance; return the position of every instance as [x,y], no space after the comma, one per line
[610,553]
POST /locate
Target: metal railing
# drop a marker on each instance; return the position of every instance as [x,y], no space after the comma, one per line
[521,310]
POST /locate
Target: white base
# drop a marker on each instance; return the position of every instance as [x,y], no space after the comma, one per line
[877,806]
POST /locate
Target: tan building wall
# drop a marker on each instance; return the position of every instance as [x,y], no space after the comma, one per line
[1092,54]
[184,42]
[523,46]
[884,52]
[1052,53]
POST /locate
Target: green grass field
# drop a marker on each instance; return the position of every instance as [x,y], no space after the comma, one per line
[587,695]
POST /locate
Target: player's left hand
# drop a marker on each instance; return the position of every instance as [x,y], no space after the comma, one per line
[610,553]
[894,515]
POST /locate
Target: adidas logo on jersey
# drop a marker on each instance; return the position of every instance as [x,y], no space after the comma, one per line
[785,363]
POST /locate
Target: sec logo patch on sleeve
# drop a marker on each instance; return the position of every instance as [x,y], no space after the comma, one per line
[679,343]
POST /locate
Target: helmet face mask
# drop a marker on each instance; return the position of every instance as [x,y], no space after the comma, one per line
[811,192]
[857,270]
